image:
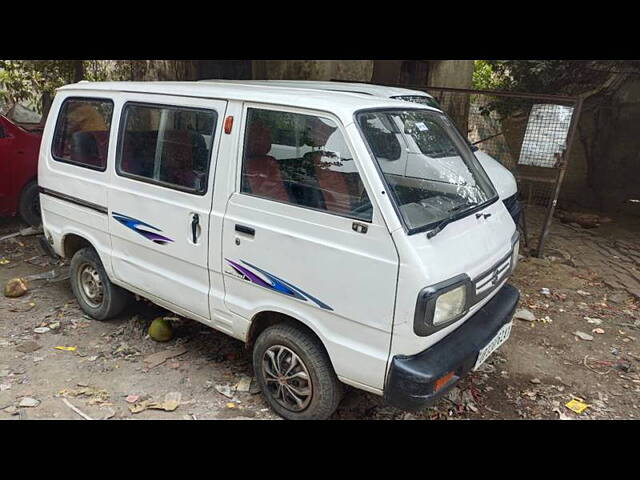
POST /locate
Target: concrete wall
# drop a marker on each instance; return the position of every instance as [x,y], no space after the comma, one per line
[313,70]
[613,175]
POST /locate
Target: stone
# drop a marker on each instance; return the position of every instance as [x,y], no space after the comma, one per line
[41,329]
[29,402]
[583,336]
[16,287]
[524,314]
[28,347]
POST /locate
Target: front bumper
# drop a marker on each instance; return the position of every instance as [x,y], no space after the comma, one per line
[411,379]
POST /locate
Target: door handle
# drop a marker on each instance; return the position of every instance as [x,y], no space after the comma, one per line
[195,221]
[244,229]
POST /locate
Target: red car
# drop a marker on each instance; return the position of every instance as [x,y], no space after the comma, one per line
[18,172]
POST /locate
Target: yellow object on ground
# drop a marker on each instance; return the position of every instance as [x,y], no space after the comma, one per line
[160,330]
[66,349]
[576,406]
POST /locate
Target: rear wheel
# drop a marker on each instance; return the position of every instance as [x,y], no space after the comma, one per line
[295,374]
[29,205]
[97,296]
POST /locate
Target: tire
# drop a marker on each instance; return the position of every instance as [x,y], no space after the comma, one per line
[325,389]
[29,204]
[108,300]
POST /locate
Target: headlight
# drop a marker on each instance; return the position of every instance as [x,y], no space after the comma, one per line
[441,304]
[449,305]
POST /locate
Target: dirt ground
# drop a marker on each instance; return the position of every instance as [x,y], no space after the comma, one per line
[589,283]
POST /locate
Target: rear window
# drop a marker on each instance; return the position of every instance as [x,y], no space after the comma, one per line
[81,135]
[168,146]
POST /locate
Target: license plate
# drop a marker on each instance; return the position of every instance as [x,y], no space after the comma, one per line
[495,342]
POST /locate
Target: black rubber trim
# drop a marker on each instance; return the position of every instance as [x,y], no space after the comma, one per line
[77,201]
[410,380]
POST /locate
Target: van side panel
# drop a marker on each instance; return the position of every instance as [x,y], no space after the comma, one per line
[74,198]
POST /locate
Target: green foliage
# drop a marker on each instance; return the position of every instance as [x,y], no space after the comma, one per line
[484,77]
[26,80]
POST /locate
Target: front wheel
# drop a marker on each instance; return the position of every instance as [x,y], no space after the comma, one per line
[295,374]
[97,296]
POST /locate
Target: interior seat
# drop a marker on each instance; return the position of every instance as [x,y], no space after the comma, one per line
[177,158]
[333,185]
[261,174]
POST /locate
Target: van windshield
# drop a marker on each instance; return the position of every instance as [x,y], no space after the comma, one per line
[430,170]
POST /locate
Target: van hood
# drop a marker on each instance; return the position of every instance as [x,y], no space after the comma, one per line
[502,179]
[473,245]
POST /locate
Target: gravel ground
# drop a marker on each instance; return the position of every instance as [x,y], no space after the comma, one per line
[102,373]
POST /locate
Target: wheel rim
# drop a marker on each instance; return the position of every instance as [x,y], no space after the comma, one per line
[287,378]
[90,285]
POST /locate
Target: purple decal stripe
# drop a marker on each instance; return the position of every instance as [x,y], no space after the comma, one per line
[276,284]
[135,224]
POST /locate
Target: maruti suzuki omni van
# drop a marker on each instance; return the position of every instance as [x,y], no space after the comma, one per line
[346,239]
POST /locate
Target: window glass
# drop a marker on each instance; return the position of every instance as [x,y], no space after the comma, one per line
[167,145]
[82,132]
[303,160]
[436,178]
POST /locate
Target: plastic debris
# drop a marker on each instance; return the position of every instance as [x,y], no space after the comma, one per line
[3,261]
[66,349]
[41,329]
[16,287]
[576,406]
[171,402]
[244,384]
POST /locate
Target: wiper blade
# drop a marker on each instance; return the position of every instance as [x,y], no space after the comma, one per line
[439,227]
[463,205]
[443,223]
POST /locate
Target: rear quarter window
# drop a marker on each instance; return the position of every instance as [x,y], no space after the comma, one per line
[81,136]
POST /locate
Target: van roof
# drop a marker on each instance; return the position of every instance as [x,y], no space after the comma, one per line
[342,104]
[353,87]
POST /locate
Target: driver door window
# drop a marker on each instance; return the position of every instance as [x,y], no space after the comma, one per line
[303,160]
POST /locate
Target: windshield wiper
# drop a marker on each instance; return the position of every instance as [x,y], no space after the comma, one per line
[443,223]
[463,205]
[439,227]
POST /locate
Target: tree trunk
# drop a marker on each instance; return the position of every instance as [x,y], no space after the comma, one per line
[78,70]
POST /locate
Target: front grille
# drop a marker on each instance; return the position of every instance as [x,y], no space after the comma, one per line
[487,282]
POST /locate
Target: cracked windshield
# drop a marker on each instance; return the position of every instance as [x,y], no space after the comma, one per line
[433,177]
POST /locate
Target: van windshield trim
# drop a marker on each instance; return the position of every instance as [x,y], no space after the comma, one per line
[394,199]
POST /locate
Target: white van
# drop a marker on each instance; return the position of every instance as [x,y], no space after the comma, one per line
[502,179]
[332,264]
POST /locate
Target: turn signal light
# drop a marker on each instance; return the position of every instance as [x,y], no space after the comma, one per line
[442,381]
[228,124]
